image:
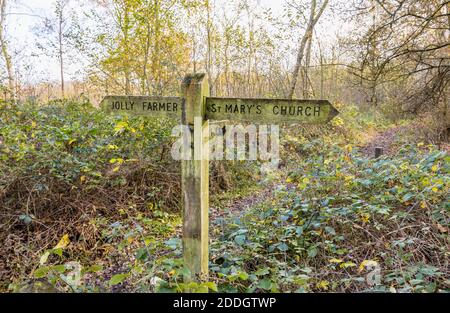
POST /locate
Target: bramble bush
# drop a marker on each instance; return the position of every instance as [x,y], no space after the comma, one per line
[66,166]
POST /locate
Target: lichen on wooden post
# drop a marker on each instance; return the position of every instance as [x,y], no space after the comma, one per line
[195,178]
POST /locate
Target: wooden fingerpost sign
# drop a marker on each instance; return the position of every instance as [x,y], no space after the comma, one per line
[195,109]
[195,177]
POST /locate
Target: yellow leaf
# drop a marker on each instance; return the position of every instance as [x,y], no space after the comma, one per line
[289,180]
[349,178]
[83,179]
[120,160]
[112,147]
[347,264]
[323,285]
[71,141]
[335,261]
[435,189]
[423,205]
[116,168]
[337,121]
[348,148]
[434,168]
[64,242]
[420,144]
[305,180]
[33,124]
[120,126]
[367,263]
[365,217]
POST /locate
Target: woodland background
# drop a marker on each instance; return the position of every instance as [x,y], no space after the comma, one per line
[97,195]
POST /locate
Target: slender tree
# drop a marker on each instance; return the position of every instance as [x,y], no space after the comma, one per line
[5,53]
[312,21]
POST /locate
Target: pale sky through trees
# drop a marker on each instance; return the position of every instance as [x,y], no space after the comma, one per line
[22,36]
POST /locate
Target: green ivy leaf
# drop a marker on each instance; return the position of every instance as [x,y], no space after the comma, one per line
[265,283]
[117,279]
[41,272]
[211,285]
[312,252]
[283,247]
[262,271]
[240,239]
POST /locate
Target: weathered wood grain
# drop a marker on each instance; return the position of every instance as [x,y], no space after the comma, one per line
[195,179]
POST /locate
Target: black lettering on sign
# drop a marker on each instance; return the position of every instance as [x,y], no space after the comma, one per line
[212,108]
[124,106]
[317,111]
[298,110]
[308,111]
[237,108]
[160,106]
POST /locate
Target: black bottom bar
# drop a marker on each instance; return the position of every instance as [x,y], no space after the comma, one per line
[137,303]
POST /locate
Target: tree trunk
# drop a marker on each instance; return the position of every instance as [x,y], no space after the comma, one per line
[208,61]
[145,84]
[156,62]
[5,53]
[321,70]
[61,57]
[301,51]
[126,22]
[306,68]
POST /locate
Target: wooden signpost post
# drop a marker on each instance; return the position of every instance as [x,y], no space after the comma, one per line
[196,105]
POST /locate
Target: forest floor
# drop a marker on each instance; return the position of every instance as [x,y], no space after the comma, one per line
[385,140]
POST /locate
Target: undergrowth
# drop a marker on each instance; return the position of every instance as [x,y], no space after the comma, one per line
[91,203]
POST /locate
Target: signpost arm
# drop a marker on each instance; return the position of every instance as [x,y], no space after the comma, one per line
[195,177]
